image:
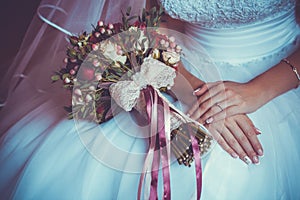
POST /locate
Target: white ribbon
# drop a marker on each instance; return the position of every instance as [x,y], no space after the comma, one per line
[153,73]
[54,7]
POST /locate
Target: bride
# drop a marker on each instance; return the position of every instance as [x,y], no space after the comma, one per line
[254,47]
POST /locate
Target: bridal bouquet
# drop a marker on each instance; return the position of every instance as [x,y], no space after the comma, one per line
[127,66]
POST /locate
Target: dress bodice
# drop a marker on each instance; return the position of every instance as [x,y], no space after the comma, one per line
[226,13]
[235,31]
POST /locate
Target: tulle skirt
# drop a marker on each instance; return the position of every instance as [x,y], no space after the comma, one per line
[46,156]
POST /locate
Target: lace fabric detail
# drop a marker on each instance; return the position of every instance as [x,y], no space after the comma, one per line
[153,72]
[226,13]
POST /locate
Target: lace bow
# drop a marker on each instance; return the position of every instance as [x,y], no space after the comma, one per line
[153,72]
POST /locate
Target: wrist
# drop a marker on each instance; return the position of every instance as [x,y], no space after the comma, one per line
[293,69]
[193,81]
[259,92]
[275,81]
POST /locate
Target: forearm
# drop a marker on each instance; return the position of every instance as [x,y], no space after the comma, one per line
[192,80]
[185,84]
[277,80]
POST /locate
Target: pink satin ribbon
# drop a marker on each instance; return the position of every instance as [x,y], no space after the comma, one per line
[158,112]
[197,158]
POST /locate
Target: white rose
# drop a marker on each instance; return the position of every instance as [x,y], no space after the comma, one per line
[171,57]
[109,50]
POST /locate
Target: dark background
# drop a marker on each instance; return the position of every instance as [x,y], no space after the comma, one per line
[15,17]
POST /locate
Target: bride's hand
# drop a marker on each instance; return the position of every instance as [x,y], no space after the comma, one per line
[238,136]
[222,99]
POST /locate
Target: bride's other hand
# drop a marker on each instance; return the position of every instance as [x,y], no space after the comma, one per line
[225,98]
[218,100]
[237,136]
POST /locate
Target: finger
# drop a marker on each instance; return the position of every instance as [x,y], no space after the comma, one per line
[234,144]
[196,111]
[244,142]
[227,112]
[208,99]
[257,131]
[208,116]
[205,87]
[212,92]
[199,91]
[219,111]
[215,88]
[201,106]
[222,142]
[250,131]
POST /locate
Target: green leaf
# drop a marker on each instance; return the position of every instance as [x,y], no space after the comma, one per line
[128,11]
[153,11]
[68,109]
[65,76]
[73,40]
[55,77]
[161,10]
[67,86]
[80,57]
[70,116]
[144,15]
[71,53]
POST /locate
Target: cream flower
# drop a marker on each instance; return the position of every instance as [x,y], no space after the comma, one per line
[171,57]
[109,50]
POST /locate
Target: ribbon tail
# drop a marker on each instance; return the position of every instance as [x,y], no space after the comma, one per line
[155,163]
[151,109]
[154,175]
[165,149]
[197,157]
[148,162]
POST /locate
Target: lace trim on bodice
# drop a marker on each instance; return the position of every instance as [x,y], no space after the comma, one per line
[226,13]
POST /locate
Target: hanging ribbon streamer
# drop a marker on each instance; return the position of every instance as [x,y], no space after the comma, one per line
[51,23]
[165,142]
[158,112]
[151,112]
[198,167]
[153,75]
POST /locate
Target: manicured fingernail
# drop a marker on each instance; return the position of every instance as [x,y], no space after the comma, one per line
[234,155]
[260,152]
[209,120]
[255,159]
[258,131]
[257,163]
[197,90]
[247,160]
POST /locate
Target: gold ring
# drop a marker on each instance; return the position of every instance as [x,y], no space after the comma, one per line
[219,106]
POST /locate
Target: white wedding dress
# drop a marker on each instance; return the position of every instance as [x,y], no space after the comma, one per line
[45,156]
